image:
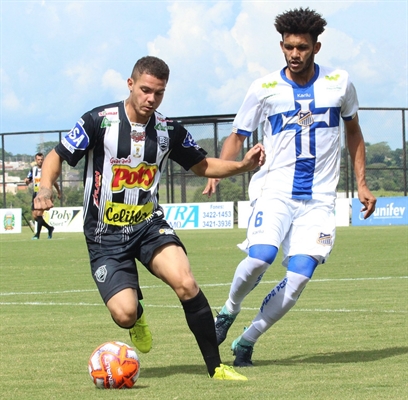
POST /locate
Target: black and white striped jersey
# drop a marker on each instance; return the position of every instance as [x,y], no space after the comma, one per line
[124,162]
[34,176]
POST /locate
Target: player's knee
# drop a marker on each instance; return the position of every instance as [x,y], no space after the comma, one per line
[303,265]
[263,252]
[186,288]
[124,316]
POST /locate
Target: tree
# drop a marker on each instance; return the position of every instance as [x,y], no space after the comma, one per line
[46,147]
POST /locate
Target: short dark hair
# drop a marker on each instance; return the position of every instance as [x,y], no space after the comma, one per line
[300,20]
[39,155]
[152,66]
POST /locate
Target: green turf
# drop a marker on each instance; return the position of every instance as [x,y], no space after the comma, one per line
[345,339]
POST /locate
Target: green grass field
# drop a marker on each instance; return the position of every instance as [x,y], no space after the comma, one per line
[345,339]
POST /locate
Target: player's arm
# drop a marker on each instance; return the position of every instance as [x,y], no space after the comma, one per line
[57,188]
[29,177]
[220,168]
[230,150]
[50,171]
[356,148]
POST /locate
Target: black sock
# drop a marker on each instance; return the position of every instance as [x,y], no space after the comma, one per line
[43,223]
[201,322]
[40,221]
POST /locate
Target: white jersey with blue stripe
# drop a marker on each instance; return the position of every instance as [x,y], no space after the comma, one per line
[301,132]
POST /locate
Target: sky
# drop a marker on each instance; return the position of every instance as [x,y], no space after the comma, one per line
[60,59]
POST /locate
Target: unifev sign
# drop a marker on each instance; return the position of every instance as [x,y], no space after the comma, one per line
[10,220]
[388,211]
[200,215]
[65,219]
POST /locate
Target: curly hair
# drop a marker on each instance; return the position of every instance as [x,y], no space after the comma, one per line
[153,66]
[301,20]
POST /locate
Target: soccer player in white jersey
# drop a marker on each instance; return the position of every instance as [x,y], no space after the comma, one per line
[293,194]
[127,145]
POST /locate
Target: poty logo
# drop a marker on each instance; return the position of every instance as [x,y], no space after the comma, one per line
[389,211]
[127,177]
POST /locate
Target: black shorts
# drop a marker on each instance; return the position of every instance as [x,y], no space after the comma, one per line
[114,268]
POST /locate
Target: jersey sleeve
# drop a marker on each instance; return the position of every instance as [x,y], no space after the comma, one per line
[186,151]
[350,105]
[78,140]
[249,115]
[30,174]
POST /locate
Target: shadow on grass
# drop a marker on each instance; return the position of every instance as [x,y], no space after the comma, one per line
[343,357]
[158,372]
[356,356]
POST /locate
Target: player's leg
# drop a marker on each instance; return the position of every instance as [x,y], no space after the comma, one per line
[312,232]
[267,227]
[35,219]
[274,306]
[247,276]
[117,282]
[170,264]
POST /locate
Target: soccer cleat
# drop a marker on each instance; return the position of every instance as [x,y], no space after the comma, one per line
[50,232]
[242,350]
[225,373]
[35,237]
[140,334]
[223,322]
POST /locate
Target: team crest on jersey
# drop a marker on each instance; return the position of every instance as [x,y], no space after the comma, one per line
[305,118]
[189,142]
[325,239]
[77,138]
[163,142]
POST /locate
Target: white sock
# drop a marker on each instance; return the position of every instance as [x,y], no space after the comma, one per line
[276,304]
[247,276]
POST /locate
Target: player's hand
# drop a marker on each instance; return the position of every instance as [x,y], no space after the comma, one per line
[255,157]
[43,201]
[367,200]
[211,187]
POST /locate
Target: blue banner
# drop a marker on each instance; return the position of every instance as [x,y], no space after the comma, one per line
[388,211]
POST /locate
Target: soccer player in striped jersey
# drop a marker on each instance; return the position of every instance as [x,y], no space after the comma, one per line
[127,145]
[34,177]
[293,194]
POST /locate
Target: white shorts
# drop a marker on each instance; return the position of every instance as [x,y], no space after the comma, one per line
[301,226]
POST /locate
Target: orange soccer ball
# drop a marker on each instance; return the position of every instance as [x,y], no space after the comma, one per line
[114,365]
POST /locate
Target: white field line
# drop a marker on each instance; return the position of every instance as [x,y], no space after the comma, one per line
[53,303]
[203,285]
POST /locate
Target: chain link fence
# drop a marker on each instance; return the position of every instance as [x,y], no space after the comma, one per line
[384,131]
